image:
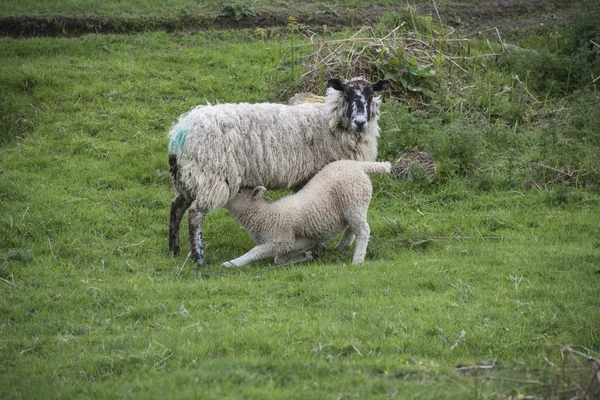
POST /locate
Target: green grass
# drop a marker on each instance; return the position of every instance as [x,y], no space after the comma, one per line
[493,263]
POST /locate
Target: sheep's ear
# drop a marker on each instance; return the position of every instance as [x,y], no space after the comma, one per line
[335,84]
[380,85]
[257,192]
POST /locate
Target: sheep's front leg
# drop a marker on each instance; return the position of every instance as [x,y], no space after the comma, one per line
[195,219]
[362,241]
[179,206]
[346,240]
[257,253]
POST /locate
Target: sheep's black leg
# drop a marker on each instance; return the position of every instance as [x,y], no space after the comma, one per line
[179,206]
[195,218]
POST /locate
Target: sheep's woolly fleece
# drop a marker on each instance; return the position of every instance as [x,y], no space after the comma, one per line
[220,147]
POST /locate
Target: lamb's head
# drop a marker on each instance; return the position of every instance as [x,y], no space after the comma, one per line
[247,199]
[358,96]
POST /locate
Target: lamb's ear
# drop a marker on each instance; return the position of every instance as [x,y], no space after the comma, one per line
[380,85]
[257,192]
[336,84]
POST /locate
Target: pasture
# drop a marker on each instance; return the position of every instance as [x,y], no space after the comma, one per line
[480,284]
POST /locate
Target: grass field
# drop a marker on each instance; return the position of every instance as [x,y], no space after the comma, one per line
[482,284]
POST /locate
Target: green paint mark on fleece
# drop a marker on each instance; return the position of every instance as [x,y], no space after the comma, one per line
[177,139]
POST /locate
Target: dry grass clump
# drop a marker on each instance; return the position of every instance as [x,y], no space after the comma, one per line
[415,164]
[303,97]
[412,49]
[398,53]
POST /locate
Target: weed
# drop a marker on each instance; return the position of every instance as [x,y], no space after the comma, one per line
[262,34]
[236,11]
[292,26]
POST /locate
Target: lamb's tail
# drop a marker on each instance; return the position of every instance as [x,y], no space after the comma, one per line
[376,167]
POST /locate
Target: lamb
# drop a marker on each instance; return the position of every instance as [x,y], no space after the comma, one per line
[335,200]
[215,150]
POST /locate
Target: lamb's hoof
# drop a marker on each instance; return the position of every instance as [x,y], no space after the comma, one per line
[322,247]
[228,264]
[174,251]
[314,255]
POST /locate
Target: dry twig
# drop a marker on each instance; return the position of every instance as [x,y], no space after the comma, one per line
[528,382]
[571,350]
[9,282]
[178,275]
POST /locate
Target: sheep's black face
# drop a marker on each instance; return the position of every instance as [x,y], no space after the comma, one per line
[358,95]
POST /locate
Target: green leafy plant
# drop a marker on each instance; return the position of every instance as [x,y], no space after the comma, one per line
[236,11]
[407,71]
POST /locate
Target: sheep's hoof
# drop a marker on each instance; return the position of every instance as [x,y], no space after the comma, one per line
[314,255]
[322,247]
[198,259]
[174,251]
[228,264]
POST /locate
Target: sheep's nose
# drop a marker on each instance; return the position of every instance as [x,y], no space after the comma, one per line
[360,125]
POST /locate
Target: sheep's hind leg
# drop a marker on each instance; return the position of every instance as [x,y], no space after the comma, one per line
[179,206]
[362,241]
[257,253]
[195,218]
[346,240]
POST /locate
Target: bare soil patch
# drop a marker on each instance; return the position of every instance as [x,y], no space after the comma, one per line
[505,14]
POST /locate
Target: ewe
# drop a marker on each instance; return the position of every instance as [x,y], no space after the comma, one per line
[335,200]
[215,150]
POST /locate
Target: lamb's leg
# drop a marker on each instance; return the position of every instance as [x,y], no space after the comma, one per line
[346,240]
[195,218]
[295,257]
[257,253]
[362,240]
[295,254]
[179,206]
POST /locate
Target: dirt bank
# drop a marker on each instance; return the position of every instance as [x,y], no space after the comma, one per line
[504,14]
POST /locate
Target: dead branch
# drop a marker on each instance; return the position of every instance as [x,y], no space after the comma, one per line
[569,349]
[437,12]
[475,367]
[528,382]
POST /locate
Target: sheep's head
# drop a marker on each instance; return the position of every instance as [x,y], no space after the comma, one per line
[358,95]
[246,199]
